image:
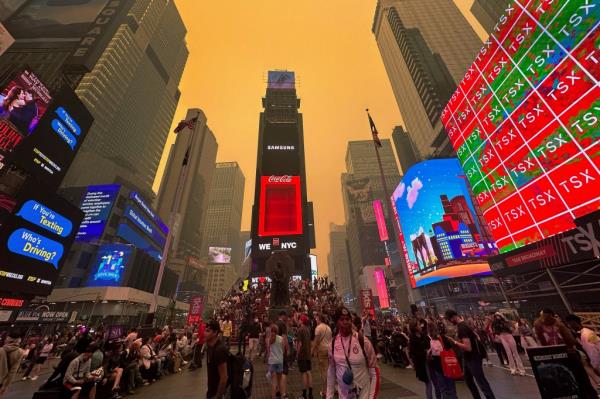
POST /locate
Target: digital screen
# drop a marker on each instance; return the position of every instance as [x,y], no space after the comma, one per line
[281,80]
[524,121]
[219,255]
[280,206]
[64,20]
[97,204]
[247,248]
[132,236]
[313,266]
[23,102]
[280,149]
[381,227]
[382,291]
[137,198]
[50,149]
[148,228]
[110,265]
[442,232]
[35,238]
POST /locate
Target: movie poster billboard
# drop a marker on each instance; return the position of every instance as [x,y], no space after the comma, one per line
[220,255]
[23,102]
[443,235]
[524,121]
[196,310]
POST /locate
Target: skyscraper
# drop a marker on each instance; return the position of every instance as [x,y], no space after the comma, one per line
[405,148]
[197,147]
[426,46]
[224,212]
[282,218]
[338,261]
[127,74]
[488,12]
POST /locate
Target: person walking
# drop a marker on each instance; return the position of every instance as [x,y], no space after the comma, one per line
[10,360]
[439,343]
[418,349]
[276,355]
[254,332]
[470,345]
[216,362]
[321,346]
[303,349]
[41,358]
[352,362]
[503,329]
[227,329]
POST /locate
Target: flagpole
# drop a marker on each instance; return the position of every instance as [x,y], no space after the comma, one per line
[388,205]
[171,223]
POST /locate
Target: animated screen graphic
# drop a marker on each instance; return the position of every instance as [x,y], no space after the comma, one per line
[219,255]
[110,265]
[280,206]
[444,237]
[97,205]
[524,121]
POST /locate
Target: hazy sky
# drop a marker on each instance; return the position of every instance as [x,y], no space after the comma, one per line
[339,73]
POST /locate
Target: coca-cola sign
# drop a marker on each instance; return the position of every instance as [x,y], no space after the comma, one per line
[280,179]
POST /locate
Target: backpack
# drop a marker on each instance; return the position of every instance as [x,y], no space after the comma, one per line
[240,374]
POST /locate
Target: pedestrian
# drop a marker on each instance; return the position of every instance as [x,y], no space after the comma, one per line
[276,354]
[439,342]
[227,329]
[42,356]
[352,362]
[216,362]
[10,360]
[418,348]
[503,329]
[78,379]
[282,326]
[527,339]
[472,349]
[254,333]
[587,338]
[303,349]
[321,346]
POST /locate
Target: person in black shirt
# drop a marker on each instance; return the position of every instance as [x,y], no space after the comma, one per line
[470,345]
[216,361]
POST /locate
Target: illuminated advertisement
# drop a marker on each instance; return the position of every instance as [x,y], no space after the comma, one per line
[281,80]
[23,102]
[280,211]
[219,255]
[132,236]
[149,211]
[50,149]
[34,241]
[378,209]
[196,309]
[110,265]
[144,225]
[442,234]
[524,121]
[382,291]
[96,205]
[280,150]
[314,269]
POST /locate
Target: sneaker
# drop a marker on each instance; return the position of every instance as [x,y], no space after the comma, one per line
[513,372]
[24,378]
[34,378]
[522,372]
[409,366]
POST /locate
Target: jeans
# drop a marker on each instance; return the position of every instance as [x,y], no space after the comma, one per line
[443,384]
[473,371]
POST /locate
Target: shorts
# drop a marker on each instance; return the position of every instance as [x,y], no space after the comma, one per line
[276,368]
[304,365]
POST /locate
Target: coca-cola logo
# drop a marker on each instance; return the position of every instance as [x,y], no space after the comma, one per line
[280,179]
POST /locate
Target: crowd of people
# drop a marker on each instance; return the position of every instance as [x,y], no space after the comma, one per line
[317,336]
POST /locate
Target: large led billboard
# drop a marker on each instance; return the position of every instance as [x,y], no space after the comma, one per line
[110,265]
[280,212]
[524,121]
[281,80]
[280,149]
[96,204]
[36,234]
[442,234]
[221,255]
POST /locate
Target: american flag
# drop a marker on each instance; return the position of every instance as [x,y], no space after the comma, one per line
[183,124]
[374,131]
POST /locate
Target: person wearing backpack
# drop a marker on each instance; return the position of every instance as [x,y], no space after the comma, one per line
[418,348]
[472,348]
[352,362]
[216,362]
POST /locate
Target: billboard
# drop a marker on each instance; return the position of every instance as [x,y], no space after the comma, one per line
[110,265]
[442,233]
[47,153]
[314,269]
[35,237]
[137,198]
[281,80]
[219,255]
[280,149]
[148,228]
[131,235]
[524,121]
[378,209]
[360,198]
[280,212]
[96,204]
[196,310]
[23,102]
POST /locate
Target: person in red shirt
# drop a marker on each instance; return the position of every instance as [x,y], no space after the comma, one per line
[198,346]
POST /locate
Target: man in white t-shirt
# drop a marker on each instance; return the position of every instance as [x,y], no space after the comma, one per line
[352,362]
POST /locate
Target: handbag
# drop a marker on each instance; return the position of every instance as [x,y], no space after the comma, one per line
[450,364]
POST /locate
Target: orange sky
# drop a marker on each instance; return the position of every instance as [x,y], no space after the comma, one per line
[339,73]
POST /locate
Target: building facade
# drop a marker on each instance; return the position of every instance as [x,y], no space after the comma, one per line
[197,149]
[224,211]
[220,279]
[488,12]
[338,261]
[407,152]
[426,46]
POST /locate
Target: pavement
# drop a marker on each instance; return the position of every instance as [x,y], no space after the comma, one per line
[396,383]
